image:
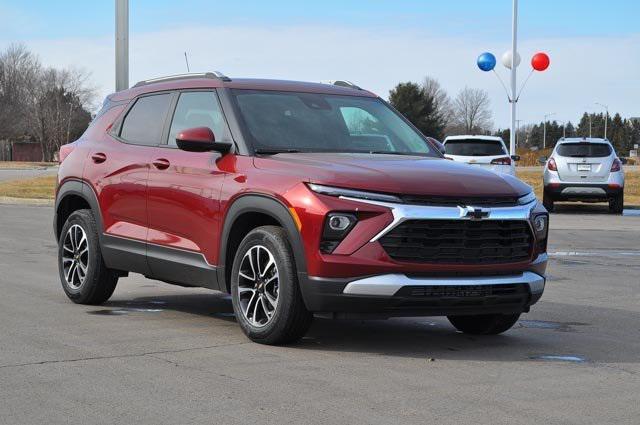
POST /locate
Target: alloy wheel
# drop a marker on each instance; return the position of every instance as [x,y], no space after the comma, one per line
[258,285]
[75,256]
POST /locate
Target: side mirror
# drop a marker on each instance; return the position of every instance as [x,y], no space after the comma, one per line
[200,139]
[623,160]
[542,160]
[438,145]
[515,157]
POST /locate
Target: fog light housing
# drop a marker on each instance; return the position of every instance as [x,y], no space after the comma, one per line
[336,228]
[541,228]
[339,223]
[540,224]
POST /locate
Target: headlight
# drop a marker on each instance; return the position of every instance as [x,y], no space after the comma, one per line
[350,193]
[527,199]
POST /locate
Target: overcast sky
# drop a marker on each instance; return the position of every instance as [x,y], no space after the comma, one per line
[594,45]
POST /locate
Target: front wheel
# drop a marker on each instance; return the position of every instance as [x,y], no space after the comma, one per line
[485,324]
[264,288]
[616,204]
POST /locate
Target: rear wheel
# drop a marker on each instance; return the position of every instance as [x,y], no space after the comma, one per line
[84,276]
[485,324]
[547,201]
[264,288]
[616,204]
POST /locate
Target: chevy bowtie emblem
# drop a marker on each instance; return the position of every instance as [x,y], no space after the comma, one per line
[474,213]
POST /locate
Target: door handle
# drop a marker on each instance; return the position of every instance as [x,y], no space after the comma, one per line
[99,157]
[161,163]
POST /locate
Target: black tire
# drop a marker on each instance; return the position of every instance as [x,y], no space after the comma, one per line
[547,201]
[99,281]
[486,324]
[290,319]
[616,204]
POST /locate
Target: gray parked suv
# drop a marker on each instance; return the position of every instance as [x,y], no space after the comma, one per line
[584,169]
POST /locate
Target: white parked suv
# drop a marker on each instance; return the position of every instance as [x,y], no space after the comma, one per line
[584,169]
[484,151]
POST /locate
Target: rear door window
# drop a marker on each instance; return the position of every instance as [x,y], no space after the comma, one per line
[198,109]
[472,147]
[584,150]
[145,121]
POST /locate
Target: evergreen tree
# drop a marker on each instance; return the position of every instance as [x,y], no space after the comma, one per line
[415,103]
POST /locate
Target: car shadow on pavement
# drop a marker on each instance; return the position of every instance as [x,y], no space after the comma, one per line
[432,338]
[214,304]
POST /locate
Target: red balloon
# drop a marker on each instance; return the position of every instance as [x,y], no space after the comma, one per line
[540,61]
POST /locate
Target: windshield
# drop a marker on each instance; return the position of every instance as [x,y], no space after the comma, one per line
[584,150]
[309,122]
[474,147]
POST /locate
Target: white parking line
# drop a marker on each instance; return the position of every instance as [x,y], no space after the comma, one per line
[594,253]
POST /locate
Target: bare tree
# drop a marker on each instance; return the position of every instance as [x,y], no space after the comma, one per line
[442,102]
[19,71]
[47,105]
[471,112]
[57,108]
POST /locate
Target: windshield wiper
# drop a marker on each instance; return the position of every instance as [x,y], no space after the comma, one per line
[275,151]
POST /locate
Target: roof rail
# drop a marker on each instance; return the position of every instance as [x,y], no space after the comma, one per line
[214,75]
[342,83]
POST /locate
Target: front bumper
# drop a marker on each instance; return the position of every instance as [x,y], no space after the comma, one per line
[392,295]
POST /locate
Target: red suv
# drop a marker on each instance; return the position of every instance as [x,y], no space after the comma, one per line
[299,199]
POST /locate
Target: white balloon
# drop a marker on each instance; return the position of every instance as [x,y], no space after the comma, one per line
[506,59]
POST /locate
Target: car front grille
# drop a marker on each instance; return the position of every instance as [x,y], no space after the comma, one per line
[459,241]
[447,201]
[460,291]
[463,295]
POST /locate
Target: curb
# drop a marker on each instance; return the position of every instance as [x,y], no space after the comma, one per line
[7,200]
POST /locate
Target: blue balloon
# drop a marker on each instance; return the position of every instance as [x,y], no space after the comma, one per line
[486,61]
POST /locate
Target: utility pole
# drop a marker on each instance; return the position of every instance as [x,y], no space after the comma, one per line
[517,130]
[544,134]
[606,116]
[514,94]
[122,44]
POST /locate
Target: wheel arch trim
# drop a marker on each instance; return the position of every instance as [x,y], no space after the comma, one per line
[270,206]
[80,188]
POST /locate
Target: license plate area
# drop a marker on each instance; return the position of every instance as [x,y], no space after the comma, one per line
[584,167]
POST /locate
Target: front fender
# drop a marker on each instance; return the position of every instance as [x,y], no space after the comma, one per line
[264,204]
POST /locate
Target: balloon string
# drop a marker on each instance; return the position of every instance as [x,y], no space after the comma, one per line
[524,84]
[503,86]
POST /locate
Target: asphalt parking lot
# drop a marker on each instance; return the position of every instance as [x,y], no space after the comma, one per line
[162,354]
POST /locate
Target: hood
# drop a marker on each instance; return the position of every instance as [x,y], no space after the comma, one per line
[396,174]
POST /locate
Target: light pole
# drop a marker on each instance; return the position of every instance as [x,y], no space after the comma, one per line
[606,116]
[122,44]
[514,95]
[510,59]
[564,129]
[517,131]
[544,134]
[588,112]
